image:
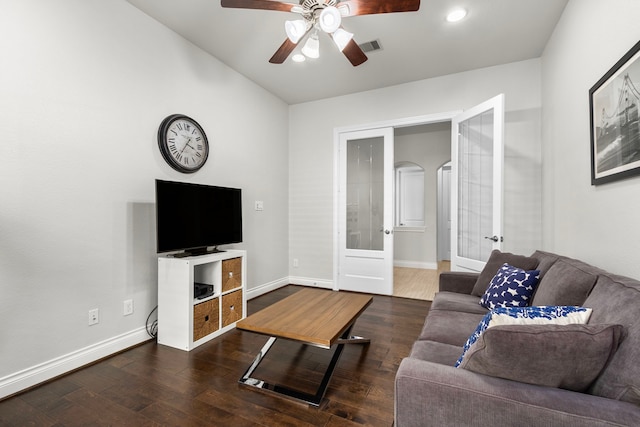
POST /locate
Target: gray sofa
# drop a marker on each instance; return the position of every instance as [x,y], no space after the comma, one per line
[430,391]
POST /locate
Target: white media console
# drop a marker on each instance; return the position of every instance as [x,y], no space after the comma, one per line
[184,321]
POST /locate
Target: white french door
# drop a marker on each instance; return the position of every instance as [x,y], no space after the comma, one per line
[364,196]
[365,211]
[476,186]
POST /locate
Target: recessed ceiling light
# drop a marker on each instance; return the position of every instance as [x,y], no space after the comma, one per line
[456,15]
[298,57]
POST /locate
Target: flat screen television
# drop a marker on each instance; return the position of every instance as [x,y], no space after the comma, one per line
[193,218]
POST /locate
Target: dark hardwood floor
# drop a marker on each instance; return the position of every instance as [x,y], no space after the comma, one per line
[152,385]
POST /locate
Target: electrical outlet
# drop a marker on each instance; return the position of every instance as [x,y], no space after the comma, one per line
[295,263]
[94,317]
[128,307]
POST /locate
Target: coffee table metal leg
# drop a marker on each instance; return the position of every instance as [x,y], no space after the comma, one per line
[311,399]
[246,378]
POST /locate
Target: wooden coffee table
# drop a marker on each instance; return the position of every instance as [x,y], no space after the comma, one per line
[316,317]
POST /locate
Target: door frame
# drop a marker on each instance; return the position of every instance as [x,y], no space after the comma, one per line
[394,123]
[443,221]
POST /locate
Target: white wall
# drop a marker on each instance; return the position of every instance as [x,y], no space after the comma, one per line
[84,86]
[311,152]
[598,224]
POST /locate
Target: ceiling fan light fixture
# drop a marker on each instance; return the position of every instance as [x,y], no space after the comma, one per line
[298,57]
[344,9]
[341,38]
[330,19]
[456,15]
[295,29]
[311,48]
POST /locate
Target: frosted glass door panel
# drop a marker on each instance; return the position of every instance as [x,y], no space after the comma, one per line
[365,194]
[365,211]
[475,187]
[477,152]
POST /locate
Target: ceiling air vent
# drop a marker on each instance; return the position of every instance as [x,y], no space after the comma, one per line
[370,46]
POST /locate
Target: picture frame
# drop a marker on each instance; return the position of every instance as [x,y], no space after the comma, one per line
[615,129]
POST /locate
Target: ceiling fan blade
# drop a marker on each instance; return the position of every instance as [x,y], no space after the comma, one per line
[368,7]
[283,52]
[259,4]
[354,54]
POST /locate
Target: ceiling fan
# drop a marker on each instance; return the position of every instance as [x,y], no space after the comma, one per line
[325,16]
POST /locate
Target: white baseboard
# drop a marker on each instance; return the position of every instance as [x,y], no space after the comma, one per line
[315,283]
[267,287]
[34,375]
[416,264]
[291,280]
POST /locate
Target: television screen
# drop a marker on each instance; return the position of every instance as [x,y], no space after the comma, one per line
[193,217]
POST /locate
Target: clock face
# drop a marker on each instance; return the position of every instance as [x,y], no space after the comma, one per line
[183,143]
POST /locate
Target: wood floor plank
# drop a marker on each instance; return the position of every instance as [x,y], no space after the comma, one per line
[156,385]
[17,412]
[197,409]
[249,410]
[164,414]
[85,404]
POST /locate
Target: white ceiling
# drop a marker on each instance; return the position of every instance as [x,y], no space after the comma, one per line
[415,45]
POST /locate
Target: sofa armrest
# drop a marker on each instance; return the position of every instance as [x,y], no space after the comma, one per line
[431,394]
[457,281]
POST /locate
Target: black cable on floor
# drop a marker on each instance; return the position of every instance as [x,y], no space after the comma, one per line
[152,329]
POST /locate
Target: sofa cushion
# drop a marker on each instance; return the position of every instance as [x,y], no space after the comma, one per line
[457,281]
[495,261]
[526,316]
[566,356]
[454,301]
[545,261]
[449,327]
[429,394]
[510,287]
[565,283]
[436,352]
[615,299]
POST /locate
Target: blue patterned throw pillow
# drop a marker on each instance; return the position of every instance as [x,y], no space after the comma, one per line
[538,315]
[510,287]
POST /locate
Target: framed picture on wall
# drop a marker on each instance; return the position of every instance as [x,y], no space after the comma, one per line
[615,129]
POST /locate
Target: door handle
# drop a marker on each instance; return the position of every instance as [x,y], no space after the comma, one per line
[386,231]
[493,238]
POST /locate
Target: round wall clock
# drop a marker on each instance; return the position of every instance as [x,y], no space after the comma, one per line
[183,143]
